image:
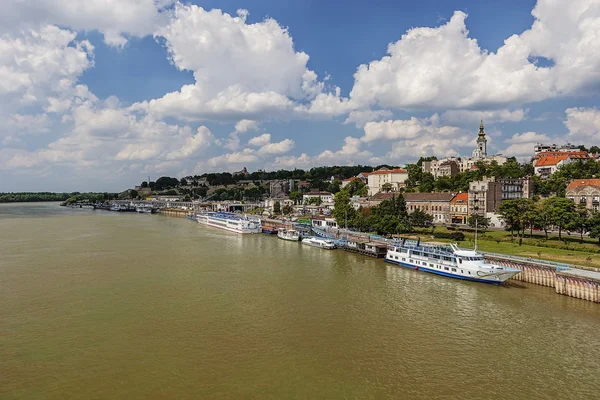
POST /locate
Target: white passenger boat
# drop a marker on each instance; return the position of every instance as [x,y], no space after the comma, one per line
[318,242]
[288,234]
[448,260]
[115,207]
[230,222]
[144,209]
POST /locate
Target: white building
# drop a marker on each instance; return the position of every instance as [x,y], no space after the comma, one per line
[325,197]
[547,163]
[395,177]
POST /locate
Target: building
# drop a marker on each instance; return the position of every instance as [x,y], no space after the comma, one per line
[546,163]
[516,188]
[543,148]
[459,208]
[464,163]
[280,188]
[270,203]
[585,191]
[363,176]
[486,195]
[395,177]
[244,171]
[325,197]
[448,168]
[434,204]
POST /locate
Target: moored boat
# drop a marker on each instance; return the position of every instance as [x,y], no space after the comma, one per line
[318,242]
[288,234]
[448,260]
[230,222]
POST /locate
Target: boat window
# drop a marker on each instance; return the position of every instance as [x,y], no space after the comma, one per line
[453,269]
[431,265]
[446,268]
[460,260]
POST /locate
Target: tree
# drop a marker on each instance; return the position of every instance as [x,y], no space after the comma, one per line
[391,216]
[594,226]
[201,191]
[133,194]
[296,196]
[277,208]
[334,186]
[562,212]
[482,222]
[343,212]
[144,184]
[386,187]
[517,213]
[543,219]
[287,209]
[427,182]
[594,149]
[580,223]
[183,182]
[420,218]
[357,188]
[315,200]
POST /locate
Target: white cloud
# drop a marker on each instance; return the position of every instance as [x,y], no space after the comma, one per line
[471,117]
[233,142]
[362,117]
[521,144]
[37,65]
[241,70]
[428,128]
[277,148]
[114,18]
[584,124]
[444,67]
[260,141]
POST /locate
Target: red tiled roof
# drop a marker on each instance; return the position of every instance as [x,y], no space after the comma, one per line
[387,171]
[474,167]
[365,174]
[350,179]
[462,197]
[575,183]
[551,160]
[572,154]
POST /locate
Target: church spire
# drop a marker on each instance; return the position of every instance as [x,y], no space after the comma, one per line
[481,129]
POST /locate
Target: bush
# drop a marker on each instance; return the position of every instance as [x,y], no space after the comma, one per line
[457,236]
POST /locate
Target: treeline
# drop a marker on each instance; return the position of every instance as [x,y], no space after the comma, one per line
[559,213]
[28,197]
[314,175]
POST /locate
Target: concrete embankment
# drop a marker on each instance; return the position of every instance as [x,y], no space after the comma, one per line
[174,212]
[566,279]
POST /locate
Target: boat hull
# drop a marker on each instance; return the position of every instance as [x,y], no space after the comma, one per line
[501,278]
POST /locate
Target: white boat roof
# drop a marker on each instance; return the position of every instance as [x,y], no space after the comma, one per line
[466,253]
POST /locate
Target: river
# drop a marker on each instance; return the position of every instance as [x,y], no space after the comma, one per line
[102,305]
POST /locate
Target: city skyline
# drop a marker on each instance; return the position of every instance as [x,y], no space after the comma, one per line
[98,95]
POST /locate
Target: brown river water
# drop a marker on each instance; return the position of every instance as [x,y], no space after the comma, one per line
[101,305]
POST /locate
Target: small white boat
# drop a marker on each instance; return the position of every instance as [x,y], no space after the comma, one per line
[288,234]
[318,242]
[144,209]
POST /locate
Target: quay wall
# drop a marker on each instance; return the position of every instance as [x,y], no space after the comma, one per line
[173,212]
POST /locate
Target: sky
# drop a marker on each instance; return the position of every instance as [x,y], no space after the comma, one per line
[99,95]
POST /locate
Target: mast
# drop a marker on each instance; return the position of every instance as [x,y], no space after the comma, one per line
[476,215]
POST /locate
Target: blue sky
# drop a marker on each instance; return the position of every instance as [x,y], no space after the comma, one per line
[99,94]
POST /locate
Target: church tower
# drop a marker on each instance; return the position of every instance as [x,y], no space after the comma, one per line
[481,142]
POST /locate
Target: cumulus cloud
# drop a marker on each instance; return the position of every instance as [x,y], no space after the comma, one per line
[444,67]
[471,117]
[521,144]
[583,123]
[115,19]
[260,141]
[362,117]
[241,70]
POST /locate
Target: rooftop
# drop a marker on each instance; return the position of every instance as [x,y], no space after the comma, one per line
[460,198]
[576,183]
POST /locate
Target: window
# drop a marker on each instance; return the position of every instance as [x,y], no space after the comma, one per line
[582,200]
[453,269]
[446,268]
